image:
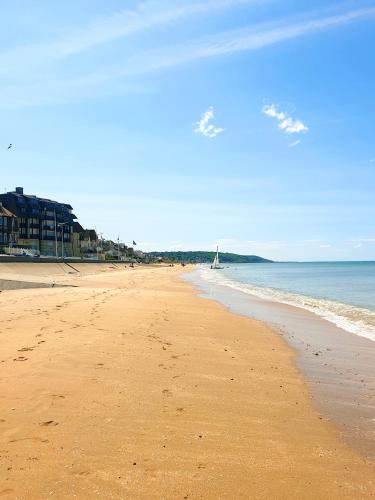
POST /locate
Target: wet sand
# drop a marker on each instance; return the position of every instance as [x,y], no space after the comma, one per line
[129,385]
[339,366]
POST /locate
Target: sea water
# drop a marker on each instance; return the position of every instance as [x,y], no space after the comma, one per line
[340,292]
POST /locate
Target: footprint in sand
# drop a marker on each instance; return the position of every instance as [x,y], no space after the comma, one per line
[6,492]
[26,349]
[20,358]
[40,440]
[48,423]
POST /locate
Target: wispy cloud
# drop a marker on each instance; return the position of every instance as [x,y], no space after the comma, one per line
[251,38]
[286,122]
[39,61]
[146,15]
[204,127]
[295,143]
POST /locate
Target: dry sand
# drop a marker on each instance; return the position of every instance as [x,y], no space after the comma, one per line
[131,386]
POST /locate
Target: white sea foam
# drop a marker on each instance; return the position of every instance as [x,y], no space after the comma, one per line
[357,320]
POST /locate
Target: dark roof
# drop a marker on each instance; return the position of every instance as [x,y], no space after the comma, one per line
[5,212]
[24,205]
[37,198]
[89,234]
[77,228]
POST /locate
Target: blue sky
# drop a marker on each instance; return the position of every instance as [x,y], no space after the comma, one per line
[182,124]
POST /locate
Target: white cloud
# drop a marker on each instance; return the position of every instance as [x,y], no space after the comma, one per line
[358,246]
[293,126]
[286,122]
[250,38]
[325,246]
[146,15]
[295,143]
[30,72]
[204,127]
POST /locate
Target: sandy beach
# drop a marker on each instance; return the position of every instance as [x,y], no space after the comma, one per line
[127,384]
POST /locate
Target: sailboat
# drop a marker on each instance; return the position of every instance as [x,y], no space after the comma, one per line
[216,263]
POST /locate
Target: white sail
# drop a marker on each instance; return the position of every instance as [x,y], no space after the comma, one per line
[216,263]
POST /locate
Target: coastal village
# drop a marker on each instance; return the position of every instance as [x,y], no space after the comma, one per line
[33,226]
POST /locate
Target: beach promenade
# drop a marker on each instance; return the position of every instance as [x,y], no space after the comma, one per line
[125,384]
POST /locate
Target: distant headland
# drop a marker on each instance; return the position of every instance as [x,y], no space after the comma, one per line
[202,257]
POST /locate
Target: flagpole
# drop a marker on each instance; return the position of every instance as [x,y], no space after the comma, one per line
[56,251]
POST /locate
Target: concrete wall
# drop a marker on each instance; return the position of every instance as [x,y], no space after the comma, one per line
[41,260]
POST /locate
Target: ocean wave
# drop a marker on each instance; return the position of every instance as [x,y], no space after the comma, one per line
[353,319]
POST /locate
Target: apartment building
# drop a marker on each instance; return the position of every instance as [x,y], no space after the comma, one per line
[43,226]
[8,228]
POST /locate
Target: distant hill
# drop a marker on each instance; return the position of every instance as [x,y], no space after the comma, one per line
[207,257]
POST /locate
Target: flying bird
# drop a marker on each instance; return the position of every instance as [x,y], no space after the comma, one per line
[10,146]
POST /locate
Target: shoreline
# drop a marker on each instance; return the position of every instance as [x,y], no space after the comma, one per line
[134,386]
[354,318]
[338,365]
